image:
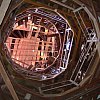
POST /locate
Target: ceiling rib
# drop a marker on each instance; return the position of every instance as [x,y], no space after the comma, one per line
[66,6]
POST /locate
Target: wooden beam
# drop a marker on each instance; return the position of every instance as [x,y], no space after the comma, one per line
[3,9]
[46,6]
[8,82]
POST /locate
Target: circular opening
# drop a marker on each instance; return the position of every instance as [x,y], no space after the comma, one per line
[35,41]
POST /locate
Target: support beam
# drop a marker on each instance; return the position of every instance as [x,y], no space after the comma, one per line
[62,4]
[78,2]
[3,9]
[8,82]
[96,27]
[78,9]
[95,22]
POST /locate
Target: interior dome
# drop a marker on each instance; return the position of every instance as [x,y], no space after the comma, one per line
[40,41]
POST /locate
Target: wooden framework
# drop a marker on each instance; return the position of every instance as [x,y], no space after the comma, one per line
[79,74]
